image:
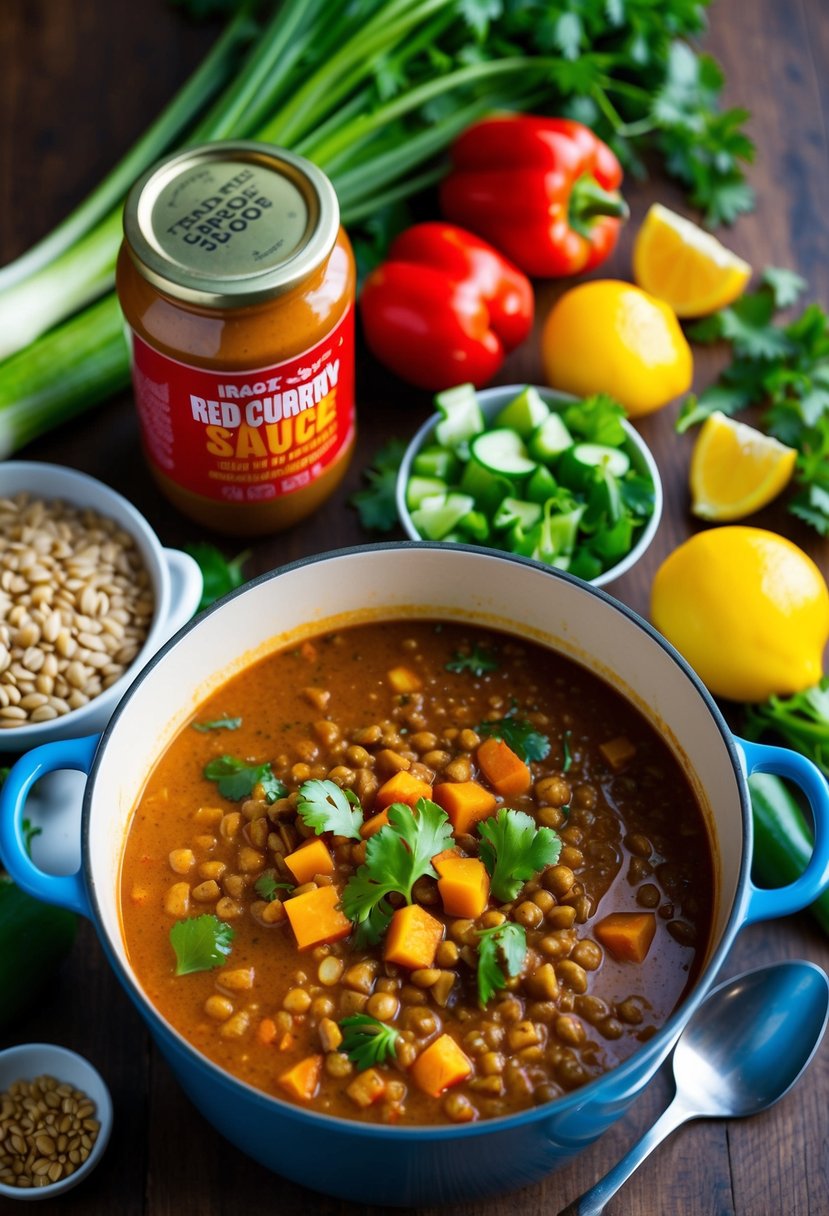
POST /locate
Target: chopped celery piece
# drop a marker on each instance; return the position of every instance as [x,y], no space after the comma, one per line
[613,543]
[419,488]
[541,485]
[549,439]
[438,515]
[488,489]
[462,418]
[585,564]
[525,413]
[475,526]
[435,461]
[517,511]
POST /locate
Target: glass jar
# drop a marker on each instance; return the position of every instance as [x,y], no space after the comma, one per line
[237,285]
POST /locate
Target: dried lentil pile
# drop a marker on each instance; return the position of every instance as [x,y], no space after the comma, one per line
[76,604]
[47,1131]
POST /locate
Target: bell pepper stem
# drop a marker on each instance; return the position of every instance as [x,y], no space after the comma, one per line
[589,200]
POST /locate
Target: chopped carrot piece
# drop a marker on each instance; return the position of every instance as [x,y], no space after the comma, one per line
[412,938]
[618,752]
[366,1088]
[309,859]
[440,1065]
[308,651]
[465,802]
[444,855]
[315,917]
[505,771]
[266,1031]
[287,1042]
[402,787]
[374,824]
[627,935]
[463,886]
[302,1081]
[403,679]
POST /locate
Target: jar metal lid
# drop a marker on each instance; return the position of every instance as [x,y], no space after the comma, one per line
[229,224]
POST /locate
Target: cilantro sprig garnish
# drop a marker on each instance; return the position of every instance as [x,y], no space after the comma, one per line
[567,751]
[367,1041]
[376,504]
[236,778]
[513,849]
[200,943]
[501,954]
[785,368]
[477,661]
[396,856]
[267,885]
[217,724]
[219,575]
[324,807]
[801,721]
[520,735]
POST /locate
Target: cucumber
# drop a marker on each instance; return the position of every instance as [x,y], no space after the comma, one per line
[435,461]
[462,417]
[502,452]
[419,488]
[576,468]
[34,937]
[541,486]
[517,511]
[474,526]
[524,414]
[440,514]
[488,489]
[550,439]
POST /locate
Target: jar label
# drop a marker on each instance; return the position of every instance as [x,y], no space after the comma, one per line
[247,436]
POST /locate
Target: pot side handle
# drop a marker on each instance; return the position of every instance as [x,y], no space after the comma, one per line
[186,586]
[69,890]
[766,904]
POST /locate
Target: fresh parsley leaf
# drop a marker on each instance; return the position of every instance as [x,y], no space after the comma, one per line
[327,808]
[218,724]
[478,661]
[801,721]
[200,943]
[220,575]
[786,286]
[521,736]
[367,1041]
[396,856]
[514,849]
[376,504]
[501,954]
[266,886]
[236,778]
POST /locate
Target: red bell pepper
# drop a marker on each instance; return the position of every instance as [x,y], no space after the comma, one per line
[543,190]
[445,308]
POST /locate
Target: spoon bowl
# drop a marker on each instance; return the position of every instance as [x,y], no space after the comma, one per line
[745,1047]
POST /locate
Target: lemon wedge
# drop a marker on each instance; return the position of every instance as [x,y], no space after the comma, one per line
[736,469]
[688,268]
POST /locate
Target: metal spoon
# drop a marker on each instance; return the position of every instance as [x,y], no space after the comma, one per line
[743,1049]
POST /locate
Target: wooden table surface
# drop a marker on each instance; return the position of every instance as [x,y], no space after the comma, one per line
[78,82]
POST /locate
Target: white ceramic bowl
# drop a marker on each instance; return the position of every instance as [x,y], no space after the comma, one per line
[492,400]
[38,1059]
[175,576]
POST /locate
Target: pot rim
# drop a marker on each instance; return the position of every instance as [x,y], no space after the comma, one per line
[658,1046]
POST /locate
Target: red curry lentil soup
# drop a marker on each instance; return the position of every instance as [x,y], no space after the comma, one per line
[355,706]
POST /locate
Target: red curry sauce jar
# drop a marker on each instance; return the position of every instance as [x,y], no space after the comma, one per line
[237,285]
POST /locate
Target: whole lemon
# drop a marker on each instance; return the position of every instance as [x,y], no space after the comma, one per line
[606,336]
[748,609]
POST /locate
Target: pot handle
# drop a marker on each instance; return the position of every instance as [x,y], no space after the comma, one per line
[766,904]
[186,586]
[65,890]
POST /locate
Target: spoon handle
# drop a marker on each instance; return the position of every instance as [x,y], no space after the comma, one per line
[592,1202]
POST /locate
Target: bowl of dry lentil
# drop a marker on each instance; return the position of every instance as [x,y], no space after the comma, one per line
[87,595]
[55,1120]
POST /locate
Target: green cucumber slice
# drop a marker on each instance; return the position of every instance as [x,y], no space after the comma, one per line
[524,414]
[462,417]
[502,452]
[440,514]
[419,488]
[550,439]
[435,461]
[577,467]
[517,511]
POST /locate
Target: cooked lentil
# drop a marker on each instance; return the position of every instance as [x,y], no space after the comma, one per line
[76,604]
[47,1131]
[633,840]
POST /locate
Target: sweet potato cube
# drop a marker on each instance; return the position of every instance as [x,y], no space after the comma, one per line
[367,1088]
[412,938]
[315,917]
[463,886]
[505,771]
[309,859]
[444,855]
[465,802]
[402,787]
[441,1065]
[403,679]
[618,752]
[302,1081]
[374,824]
[627,935]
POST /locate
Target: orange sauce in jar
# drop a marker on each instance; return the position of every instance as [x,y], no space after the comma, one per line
[237,284]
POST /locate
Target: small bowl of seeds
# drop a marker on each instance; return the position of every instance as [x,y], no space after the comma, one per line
[87,595]
[55,1120]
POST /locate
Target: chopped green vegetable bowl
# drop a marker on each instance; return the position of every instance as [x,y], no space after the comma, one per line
[537,473]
